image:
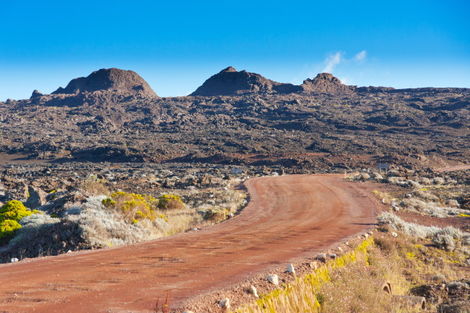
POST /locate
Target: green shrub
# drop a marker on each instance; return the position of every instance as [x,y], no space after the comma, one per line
[170,202]
[134,207]
[14,210]
[10,215]
[8,228]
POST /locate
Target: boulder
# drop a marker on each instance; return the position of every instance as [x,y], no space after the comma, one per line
[225,303]
[253,291]
[290,269]
[273,279]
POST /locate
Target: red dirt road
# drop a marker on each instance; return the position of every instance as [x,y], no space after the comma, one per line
[287,217]
[452,168]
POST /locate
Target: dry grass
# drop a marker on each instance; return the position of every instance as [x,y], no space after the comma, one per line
[385,197]
[93,186]
[352,283]
[182,220]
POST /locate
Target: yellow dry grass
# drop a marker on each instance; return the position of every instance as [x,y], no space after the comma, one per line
[353,282]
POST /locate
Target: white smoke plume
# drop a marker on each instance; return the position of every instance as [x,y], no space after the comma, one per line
[331,62]
[361,56]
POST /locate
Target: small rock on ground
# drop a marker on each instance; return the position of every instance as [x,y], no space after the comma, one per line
[273,279]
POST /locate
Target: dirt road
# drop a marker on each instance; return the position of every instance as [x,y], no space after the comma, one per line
[287,217]
[452,168]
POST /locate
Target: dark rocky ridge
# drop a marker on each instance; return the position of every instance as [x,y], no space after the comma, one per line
[112,80]
[116,85]
[229,82]
[264,123]
[326,82]
[301,130]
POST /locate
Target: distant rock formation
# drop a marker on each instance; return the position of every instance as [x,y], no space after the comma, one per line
[36,94]
[112,79]
[229,81]
[372,89]
[326,82]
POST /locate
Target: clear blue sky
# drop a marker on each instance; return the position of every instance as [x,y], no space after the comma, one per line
[176,45]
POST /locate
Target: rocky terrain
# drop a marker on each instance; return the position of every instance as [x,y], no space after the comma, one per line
[105,162]
[230,82]
[246,120]
[112,80]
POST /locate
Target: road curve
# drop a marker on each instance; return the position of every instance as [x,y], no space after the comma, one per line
[287,217]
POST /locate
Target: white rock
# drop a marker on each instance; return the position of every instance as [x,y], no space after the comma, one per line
[14,260]
[225,303]
[394,234]
[290,269]
[273,279]
[253,291]
[377,176]
[332,255]
[321,257]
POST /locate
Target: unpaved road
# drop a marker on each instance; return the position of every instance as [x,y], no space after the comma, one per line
[452,168]
[288,217]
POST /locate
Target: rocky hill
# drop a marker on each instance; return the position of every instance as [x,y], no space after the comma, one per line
[112,80]
[229,82]
[329,124]
[326,82]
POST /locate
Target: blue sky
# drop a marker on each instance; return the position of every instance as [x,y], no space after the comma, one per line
[176,45]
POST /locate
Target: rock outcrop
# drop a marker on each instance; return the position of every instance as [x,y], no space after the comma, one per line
[327,83]
[113,80]
[35,94]
[230,82]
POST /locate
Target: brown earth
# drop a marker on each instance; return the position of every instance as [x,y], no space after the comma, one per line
[417,128]
[453,168]
[288,217]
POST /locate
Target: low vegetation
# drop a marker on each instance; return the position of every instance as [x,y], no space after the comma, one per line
[415,260]
[431,195]
[92,216]
[134,207]
[170,202]
[354,281]
[447,237]
[11,214]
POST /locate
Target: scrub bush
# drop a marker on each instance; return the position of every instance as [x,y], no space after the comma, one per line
[10,215]
[8,228]
[134,207]
[170,202]
[14,210]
